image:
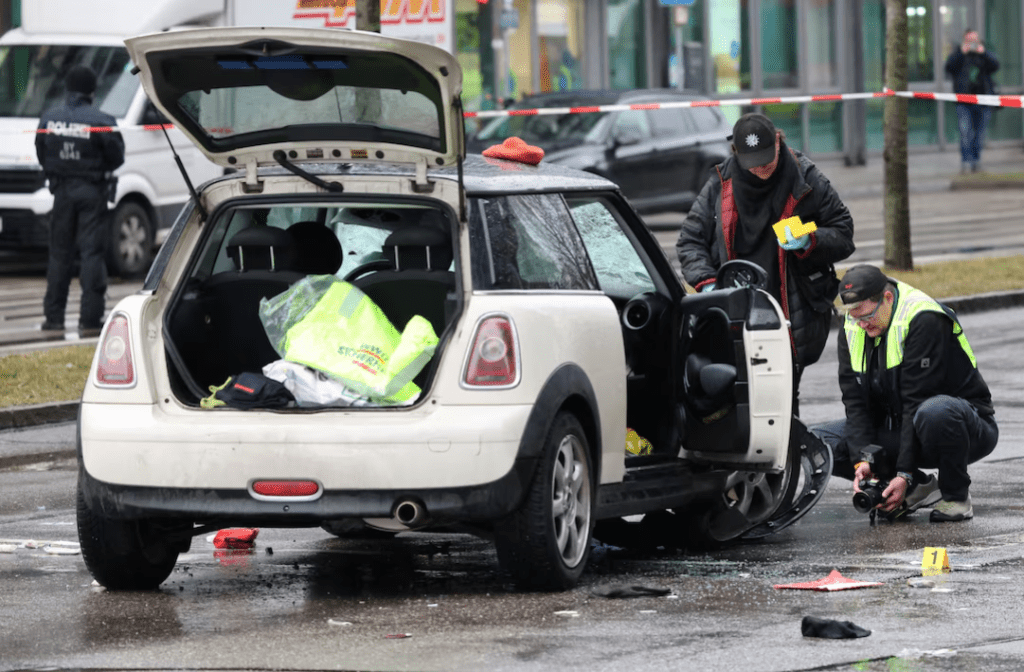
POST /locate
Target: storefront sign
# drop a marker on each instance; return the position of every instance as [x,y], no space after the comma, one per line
[429,21]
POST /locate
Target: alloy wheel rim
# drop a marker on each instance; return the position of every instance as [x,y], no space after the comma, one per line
[133,237]
[570,504]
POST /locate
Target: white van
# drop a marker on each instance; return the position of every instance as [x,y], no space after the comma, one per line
[34,60]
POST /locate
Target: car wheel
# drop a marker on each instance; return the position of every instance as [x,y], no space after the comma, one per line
[130,251]
[545,544]
[115,554]
[748,499]
[354,528]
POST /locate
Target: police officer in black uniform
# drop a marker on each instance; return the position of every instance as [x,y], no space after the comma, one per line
[78,155]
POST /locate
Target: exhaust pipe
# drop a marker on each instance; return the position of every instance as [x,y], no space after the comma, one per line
[410,513]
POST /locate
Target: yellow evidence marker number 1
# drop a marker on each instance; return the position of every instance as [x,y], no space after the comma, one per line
[934,561]
[796,227]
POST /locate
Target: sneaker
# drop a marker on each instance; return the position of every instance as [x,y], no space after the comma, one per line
[52,326]
[922,495]
[949,511]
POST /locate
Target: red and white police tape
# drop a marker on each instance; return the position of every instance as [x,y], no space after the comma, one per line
[997,101]
[990,100]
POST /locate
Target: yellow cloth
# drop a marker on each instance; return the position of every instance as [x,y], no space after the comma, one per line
[636,444]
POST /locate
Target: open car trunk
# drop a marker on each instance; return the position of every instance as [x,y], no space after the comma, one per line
[399,255]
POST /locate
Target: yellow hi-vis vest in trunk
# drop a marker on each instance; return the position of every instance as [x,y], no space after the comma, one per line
[347,336]
[911,302]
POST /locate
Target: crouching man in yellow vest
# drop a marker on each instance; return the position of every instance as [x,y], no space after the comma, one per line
[911,387]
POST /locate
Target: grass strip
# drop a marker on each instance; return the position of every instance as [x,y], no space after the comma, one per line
[44,376]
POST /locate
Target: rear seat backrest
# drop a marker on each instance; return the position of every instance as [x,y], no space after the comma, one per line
[420,282]
[265,259]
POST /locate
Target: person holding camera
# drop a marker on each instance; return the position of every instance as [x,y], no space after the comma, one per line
[914,398]
[971,67]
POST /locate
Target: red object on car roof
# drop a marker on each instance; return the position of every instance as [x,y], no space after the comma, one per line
[515,149]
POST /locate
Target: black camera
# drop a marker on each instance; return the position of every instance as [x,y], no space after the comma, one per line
[870,495]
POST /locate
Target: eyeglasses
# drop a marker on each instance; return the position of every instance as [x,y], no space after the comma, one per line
[861,320]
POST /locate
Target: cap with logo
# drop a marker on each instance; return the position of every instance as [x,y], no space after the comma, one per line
[753,135]
[861,282]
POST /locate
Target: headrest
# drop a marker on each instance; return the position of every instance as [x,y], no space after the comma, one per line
[422,248]
[317,250]
[262,248]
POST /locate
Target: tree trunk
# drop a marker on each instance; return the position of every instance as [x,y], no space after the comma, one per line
[368,105]
[897,196]
[368,15]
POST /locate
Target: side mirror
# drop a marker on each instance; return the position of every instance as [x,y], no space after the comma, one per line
[626,135]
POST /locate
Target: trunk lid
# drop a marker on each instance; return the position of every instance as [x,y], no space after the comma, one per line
[319,95]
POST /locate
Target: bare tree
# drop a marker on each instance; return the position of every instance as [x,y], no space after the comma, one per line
[368,15]
[897,196]
[368,18]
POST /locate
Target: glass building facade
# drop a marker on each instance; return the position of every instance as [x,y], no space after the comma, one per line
[743,49]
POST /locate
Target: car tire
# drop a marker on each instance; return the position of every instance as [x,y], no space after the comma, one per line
[130,250]
[545,544]
[115,554]
[747,500]
[354,528]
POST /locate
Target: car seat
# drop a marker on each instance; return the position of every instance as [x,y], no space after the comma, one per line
[420,281]
[264,258]
[317,250]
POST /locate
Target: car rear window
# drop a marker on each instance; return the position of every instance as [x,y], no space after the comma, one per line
[527,242]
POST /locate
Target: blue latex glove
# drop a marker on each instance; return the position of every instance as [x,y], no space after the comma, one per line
[792,243]
[708,287]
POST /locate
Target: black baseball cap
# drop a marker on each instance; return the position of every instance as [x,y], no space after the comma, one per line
[861,282]
[753,136]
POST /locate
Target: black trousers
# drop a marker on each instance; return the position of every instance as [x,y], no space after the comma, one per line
[79,220]
[951,435]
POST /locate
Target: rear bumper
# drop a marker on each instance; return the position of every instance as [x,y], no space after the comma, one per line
[471,504]
[138,462]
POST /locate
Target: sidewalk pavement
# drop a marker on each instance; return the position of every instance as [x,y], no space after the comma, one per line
[930,171]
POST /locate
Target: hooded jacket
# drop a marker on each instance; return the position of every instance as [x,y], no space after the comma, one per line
[808,280]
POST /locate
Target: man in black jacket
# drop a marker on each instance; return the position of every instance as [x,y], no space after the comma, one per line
[78,147]
[971,68]
[911,386]
[763,183]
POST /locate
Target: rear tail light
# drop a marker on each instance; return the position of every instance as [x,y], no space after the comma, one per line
[305,490]
[115,368]
[494,359]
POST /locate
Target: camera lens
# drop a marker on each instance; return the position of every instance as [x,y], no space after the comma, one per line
[862,502]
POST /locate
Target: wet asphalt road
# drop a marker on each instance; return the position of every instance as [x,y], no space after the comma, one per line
[305,600]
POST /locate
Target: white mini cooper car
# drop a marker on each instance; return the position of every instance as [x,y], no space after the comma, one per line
[560,324]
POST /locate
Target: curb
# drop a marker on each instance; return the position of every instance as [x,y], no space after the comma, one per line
[13,461]
[38,414]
